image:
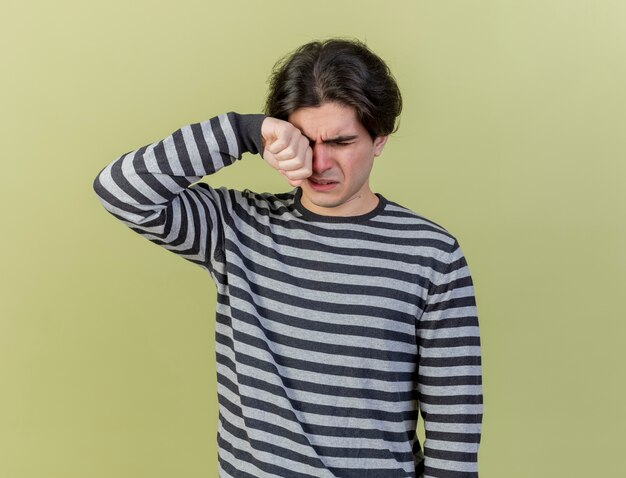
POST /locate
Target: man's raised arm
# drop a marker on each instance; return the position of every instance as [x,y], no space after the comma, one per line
[151,189]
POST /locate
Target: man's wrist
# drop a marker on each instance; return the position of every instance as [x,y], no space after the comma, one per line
[248,127]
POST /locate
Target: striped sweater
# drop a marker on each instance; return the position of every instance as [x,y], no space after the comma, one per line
[331,332]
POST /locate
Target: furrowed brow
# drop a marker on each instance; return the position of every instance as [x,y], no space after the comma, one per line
[336,139]
[339,139]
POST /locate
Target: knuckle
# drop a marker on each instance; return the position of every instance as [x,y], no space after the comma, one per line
[279,145]
[288,152]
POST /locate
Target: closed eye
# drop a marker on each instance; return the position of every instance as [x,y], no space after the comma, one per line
[339,140]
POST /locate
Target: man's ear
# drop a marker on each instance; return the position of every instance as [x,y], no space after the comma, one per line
[379,144]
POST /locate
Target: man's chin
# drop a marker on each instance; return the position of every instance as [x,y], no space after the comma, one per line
[321,200]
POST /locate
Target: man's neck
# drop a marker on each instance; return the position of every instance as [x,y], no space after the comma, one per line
[361,203]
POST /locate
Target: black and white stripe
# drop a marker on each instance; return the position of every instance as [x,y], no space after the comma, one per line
[331,332]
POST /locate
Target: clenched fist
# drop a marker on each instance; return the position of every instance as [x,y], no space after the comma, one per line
[287,150]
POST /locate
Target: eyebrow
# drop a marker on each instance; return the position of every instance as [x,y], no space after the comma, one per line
[336,139]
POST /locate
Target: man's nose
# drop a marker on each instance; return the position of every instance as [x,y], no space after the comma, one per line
[321,158]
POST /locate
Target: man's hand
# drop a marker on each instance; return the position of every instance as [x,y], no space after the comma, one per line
[287,150]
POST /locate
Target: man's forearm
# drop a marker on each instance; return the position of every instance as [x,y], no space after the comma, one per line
[138,185]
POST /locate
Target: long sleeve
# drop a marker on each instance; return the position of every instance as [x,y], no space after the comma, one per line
[150,189]
[450,373]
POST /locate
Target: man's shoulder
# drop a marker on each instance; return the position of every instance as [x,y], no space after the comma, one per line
[409,220]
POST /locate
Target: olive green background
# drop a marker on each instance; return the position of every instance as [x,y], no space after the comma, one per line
[512,137]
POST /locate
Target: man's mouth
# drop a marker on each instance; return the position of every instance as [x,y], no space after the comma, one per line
[321,185]
[321,181]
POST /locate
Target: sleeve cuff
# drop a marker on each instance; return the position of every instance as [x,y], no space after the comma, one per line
[249,128]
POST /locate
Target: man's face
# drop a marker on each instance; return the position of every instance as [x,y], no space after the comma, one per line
[343,156]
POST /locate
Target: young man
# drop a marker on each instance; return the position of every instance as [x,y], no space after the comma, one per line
[340,313]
